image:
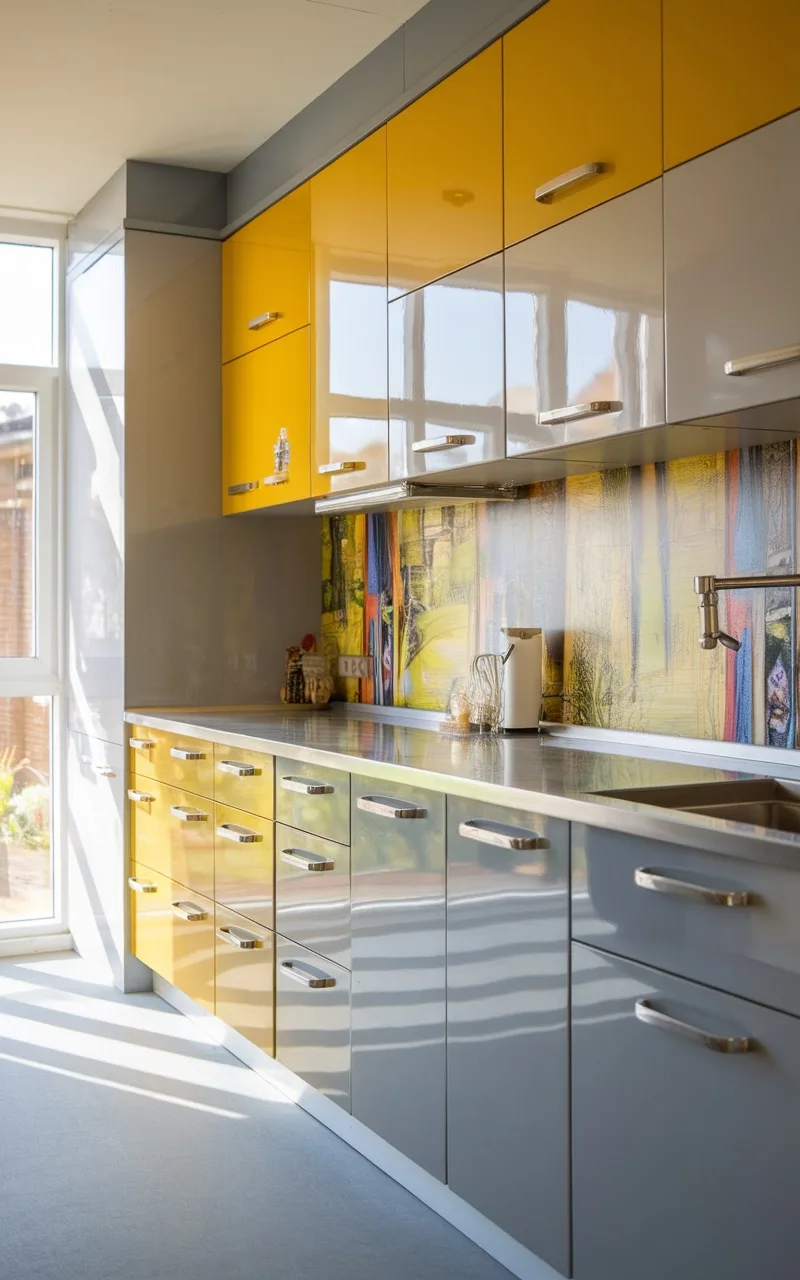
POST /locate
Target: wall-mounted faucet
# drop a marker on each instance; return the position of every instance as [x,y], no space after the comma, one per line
[707,588]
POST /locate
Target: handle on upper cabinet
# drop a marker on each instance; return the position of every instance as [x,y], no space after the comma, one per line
[307,861]
[240,938]
[185,753]
[102,770]
[185,813]
[646,878]
[238,770]
[247,486]
[189,911]
[340,468]
[544,194]
[386,807]
[438,444]
[239,835]
[291,783]
[652,1017]
[763,360]
[314,978]
[576,412]
[497,834]
[266,317]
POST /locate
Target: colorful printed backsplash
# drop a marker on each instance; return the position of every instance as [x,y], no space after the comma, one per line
[605,564]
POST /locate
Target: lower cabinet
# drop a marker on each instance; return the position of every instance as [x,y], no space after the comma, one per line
[245,978]
[172,932]
[686,1120]
[312,1020]
[244,864]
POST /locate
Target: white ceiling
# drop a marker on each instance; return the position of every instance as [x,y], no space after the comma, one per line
[91,83]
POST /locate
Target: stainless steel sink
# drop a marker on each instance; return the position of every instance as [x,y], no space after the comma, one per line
[760,802]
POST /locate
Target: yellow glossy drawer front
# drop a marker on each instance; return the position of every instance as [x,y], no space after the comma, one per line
[193,945]
[244,779]
[265,276]
[186,840]
[349,295]
[729,67]
[151,919]
[266,426]
[582,88]
[245,978]
[173,758]
[244,857]
[445,175]
[148,804]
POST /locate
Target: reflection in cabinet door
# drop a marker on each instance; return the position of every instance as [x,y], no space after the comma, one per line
[313,1020]
[312,893]
[244,864]
[244,982]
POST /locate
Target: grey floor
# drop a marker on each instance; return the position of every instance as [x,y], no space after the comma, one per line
[132,1148]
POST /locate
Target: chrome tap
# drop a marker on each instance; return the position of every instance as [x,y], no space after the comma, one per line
[707,588]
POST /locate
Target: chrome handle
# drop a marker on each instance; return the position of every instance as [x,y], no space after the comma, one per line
[290,783]
[652,1017]
[141,744]
[385,807]
[236,937]
[189,911]
[183,753]
[763,360]
[280,477]
[547,190]
[142,886]
[238,770]
[247,487]
[304,974]
[102,770]
[140,797]
[184,813]
[340,468]
[239,835]
[268,317]
[575,412]
[646,878]
[439,443]
[307,861]
[502,837]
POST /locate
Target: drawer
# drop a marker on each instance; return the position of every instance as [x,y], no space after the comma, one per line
[173,758]
[172,931]
[312,893]
[245,978]
[244,864]
[314,799]
[732,924]
[244,779]
[312,1020]
[172,833]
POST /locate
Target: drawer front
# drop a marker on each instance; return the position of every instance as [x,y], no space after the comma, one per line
[150,897]
[175,831]
[311,798]
[173,758]
[630,898]
[312,1020]
[244,780]
[312,893]
[244,864]
[673,1143]
[148,805]
[172,932]
[245,978]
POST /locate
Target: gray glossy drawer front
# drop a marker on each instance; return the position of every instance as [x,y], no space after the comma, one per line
[751,951]
[314,799]
[507,1015]
[398,958]
[312,893]
[686,1160]
[312,1021]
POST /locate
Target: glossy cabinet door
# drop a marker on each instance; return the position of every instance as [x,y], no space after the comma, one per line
[313,798]
[732,271]
[312,893]
[685,1157]
[582,109]
[398,965]
[349,295]
[265,276]
[183,841]
[244,779]
[729,67]
[172,932]
[445,175]
[174,758]
[507,1015]
[245,978]
[266,426]
[447,402]
[312,1020]
[585,326]
[244,864]
[151,934]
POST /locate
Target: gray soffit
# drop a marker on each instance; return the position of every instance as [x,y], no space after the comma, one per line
[166,196]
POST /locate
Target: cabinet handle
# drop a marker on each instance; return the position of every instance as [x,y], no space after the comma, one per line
[646,878]
[544,194]
[340,468]
[494,833]
[575,412]
[763,360]
[290,783]
[267,317]
[141,744]
[142,886]
[189,911]
[280,477]
[239,835]
[307,976]
[652,1017]
[140,797]
[102,770]
[307,861]
[385,807]
[236,937]
[238,770]
[184,813]
[439,443]
[183,753]
[247,487]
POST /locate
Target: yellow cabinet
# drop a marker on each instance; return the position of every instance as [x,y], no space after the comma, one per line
[266,426]
[348,235]
[729,66]
[245,978]
[445,175]
[244,779]
[244,864]
[172,932]
[172,758]
[265,276]
[151,919]
[582,108]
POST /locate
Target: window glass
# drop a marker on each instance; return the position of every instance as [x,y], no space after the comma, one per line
[26,871]
[26,304]
[17,523]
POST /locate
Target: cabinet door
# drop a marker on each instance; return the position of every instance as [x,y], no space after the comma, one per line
[585,326]
[447,396]
[312,893]
[729,66]
[398,966]
[732,274]
[582,110]
[686,1158]
[507,1034]
[311,798]
[150,896]
[445,175]
[193,945]
[348,234]
[265,276]
[244,864]
[183,840]
[312,1020]
[244,779]
[266,426]
[245,978]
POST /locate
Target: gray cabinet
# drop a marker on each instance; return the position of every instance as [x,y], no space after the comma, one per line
[507,1021]
[732,256]
[312,1020]
[312,893]
[398,965]
[686,1159]
[312,798]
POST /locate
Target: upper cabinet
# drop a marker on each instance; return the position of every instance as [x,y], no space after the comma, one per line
[582,108]
[729,67]
[350,417]
[445,176]
[265,276]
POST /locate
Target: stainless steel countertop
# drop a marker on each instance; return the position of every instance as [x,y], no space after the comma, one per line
[538,774]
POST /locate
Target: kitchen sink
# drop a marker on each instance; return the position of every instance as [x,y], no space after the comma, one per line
[760,802]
